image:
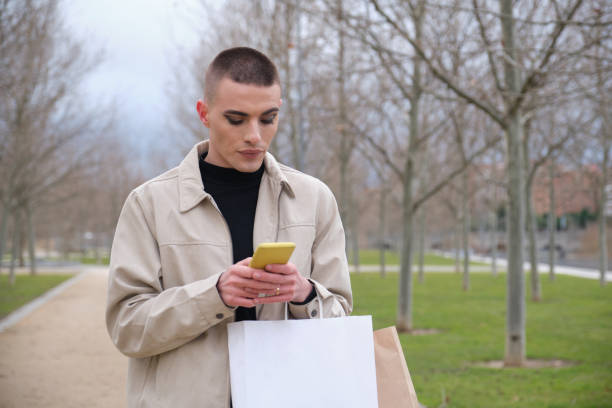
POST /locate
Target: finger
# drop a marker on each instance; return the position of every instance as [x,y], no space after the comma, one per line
[271,277]
[245,261]
[237,297]
[251,283]
[283,269]
[278,290]
[242,270]
[273,299]
[259,293]
[239,292]
[239,301]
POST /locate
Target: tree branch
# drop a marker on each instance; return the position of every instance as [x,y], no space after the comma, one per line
[487,44]
[382,151]
[530,81]
[485,107]
[449,177]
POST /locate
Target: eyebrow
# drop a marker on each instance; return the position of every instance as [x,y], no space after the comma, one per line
[238,113]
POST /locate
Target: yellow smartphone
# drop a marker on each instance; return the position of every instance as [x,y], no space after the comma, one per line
[271,253]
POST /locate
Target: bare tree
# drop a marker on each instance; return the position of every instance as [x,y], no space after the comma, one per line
[551,219]
[601,99]
[347,145]
[519,80]
[45,127]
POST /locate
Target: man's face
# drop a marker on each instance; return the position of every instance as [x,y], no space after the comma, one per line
[243,120]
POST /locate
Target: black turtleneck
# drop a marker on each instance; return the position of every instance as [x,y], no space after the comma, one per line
[236,194]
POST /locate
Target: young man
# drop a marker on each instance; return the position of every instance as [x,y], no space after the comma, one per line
[179,264]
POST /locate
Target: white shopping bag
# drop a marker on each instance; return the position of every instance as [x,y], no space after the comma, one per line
[303,363]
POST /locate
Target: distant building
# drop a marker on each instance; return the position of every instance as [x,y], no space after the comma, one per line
[575,191]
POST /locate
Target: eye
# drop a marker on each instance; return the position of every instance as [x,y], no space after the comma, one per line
[233,121]
[269,120]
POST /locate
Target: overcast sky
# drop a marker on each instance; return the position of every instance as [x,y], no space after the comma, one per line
[141,40]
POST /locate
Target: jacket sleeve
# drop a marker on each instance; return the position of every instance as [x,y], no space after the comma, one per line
[142,318]
[329,266]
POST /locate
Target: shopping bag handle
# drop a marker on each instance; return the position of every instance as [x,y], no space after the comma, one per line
[320,308]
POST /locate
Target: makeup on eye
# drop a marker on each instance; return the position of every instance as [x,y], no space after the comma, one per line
[266,119]
[233,121]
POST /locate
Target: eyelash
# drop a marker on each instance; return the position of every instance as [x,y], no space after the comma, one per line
[239,122]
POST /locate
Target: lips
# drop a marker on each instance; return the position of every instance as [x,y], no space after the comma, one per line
[251,153]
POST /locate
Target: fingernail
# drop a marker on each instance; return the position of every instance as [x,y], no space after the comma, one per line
[255,276]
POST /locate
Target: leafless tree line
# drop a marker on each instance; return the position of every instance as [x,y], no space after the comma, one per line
[59,161]
[413,99]
[419,109]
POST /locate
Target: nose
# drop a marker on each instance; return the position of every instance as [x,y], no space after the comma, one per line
[253,135]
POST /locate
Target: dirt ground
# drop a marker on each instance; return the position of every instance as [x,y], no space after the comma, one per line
[60,355]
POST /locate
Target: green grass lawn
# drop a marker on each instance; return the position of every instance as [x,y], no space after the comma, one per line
[93,261]
[26,288]
[573,322]
[372,257]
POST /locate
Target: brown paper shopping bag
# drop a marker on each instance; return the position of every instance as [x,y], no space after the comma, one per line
[395,389]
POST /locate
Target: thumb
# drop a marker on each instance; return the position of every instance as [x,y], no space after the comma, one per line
[245,261]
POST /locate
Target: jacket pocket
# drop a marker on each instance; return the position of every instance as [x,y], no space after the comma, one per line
[187,262]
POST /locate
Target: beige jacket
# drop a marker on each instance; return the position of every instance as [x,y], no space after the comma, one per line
[170,247]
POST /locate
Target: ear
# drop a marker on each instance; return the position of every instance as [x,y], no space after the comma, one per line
[202,108]
[280,102]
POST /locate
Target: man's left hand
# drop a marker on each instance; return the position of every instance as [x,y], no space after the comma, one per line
[290,284]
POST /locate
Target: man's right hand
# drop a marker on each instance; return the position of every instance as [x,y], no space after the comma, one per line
[237,287]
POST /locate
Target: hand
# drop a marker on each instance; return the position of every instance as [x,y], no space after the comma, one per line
[289,284]
[237,287]
[241,285]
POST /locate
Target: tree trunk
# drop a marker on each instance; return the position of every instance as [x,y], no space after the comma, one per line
[300,91]
[457,244]
[515,333]
[22,243]
[603,242]
[287,87]
[530,221]
[3,228]
[422,215]
[466,230]
[16,241]
[404,310]
[404,313]
[344,155]
[97,254]
[552,220]
[31,238]
[381,222]
[494,242]
[354,219]
[515,330]
[536,291]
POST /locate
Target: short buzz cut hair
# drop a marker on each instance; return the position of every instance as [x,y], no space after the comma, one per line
[241,64]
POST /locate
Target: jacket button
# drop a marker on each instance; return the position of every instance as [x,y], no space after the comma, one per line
[313,313]
[219,316]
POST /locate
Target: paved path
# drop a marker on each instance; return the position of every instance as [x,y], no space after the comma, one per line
[46,270]
[502,265]
[60,355]
[543,268]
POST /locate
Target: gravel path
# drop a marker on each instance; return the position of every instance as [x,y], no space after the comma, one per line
[60,354]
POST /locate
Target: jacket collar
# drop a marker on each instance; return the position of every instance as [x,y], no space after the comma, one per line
[191,188]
